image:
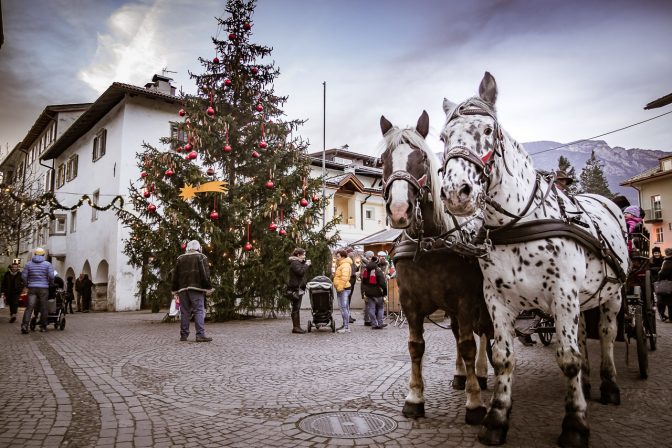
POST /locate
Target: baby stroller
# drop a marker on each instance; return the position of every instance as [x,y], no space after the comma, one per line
[320,291]
[55,310]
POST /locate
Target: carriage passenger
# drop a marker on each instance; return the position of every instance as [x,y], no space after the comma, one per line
[633,223]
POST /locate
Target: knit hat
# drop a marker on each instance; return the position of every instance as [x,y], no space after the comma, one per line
[39,251]
[668,252]
[193,246]
[368,254]
[633,210]
[655,249]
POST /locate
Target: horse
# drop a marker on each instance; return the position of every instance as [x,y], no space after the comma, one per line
[431,280]
[543,250]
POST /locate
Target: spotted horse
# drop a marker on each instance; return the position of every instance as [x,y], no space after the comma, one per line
[541,249]
[436,279]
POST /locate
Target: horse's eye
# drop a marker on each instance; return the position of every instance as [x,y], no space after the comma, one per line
[488,131]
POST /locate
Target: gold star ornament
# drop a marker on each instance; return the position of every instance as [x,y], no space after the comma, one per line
[188,192]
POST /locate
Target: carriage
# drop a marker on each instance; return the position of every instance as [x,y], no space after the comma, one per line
[321,294]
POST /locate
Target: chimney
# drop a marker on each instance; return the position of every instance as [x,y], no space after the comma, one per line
[161,84]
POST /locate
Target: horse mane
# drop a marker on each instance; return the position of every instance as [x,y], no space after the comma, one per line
[396,136]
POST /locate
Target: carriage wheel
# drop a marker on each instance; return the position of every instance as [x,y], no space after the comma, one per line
[642,351]
[310,325]
[546,335]
[649,313]
[62,325]
[333,325]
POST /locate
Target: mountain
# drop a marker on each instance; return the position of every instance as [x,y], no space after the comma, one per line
[619,163]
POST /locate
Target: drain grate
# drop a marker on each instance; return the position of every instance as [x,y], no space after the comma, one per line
[347,425]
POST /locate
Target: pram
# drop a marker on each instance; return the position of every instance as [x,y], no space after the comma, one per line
[321,293]
[55,311]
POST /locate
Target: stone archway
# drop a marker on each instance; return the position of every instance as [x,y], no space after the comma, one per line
[99,297]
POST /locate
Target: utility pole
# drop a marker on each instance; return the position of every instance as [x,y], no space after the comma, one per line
[324,153]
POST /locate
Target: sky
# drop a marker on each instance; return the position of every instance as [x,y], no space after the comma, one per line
[566,70]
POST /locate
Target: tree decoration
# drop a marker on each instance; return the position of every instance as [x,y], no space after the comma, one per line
[146,193]
[254,70]
[247,26]
[211,171]
[315,198]
[189,191]
[213,214]
[232,36]
[151,208]
[262,143]
[192,155]
[169,172]
[304,202]
[227,82]
[182,113]
[272,226]
[255,154]
[215,60]
[227,147]
[210,111]
[248,245]
[143,174]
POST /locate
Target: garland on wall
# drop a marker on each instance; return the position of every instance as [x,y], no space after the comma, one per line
[47,204]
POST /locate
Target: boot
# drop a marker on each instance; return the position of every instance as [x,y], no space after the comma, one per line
[296,322]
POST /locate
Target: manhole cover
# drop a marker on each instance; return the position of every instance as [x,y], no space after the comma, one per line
[404,358]
[347,425]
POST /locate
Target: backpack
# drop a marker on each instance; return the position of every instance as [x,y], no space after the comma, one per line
[370,277]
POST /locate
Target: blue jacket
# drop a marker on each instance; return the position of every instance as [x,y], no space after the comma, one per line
[38,273]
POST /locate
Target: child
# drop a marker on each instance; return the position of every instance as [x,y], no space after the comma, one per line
[632,222]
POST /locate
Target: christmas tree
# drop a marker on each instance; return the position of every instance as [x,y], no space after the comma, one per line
[593,179]
[237,180]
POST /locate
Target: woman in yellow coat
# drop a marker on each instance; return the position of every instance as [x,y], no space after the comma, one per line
[342,285]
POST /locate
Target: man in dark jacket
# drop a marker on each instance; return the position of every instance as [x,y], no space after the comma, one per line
[665,300]
[191,280]
[12,286]
[298,265]
[38,276]
[375,288]
[86,288]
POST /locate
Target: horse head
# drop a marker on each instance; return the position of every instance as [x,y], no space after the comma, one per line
[472,140]
[409,173]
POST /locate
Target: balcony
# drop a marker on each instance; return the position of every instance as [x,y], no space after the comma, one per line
[653,216]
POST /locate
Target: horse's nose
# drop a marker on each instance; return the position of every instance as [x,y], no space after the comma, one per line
[398,211]
[464,192]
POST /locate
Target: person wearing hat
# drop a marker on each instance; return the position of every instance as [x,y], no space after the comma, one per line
[633,223]
[562,180]
[38,275]
[375,288]
[296,285]
[12,286]
[368,255]
[665,300]
[191,281]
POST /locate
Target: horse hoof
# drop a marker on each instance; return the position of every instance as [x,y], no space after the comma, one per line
[586,390]
[413,410]
[475,416]
[483,382]
[573,439]
[494,436]
[459,382]
[610,393]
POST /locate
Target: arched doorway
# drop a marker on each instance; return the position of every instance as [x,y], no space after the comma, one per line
[100,280]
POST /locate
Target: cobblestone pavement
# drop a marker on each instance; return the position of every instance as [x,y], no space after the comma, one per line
[125,380]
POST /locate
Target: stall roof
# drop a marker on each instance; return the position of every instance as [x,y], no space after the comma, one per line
[380,237]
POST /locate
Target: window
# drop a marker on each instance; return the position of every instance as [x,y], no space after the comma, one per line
[178,136]
[58,225]
[659,235]
[369,213]
[95,200]
[99,144]
[60,175]
[47,180]
[73,221]
[656,207]
[71,171]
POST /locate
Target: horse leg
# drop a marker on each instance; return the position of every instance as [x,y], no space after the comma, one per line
[496,422]
[585,364]
[467,348]
[482,362]
[460,375]
[414,405]
[609,391]
[575,431]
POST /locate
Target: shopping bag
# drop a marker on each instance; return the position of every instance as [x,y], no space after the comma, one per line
[174,306]
[2,302]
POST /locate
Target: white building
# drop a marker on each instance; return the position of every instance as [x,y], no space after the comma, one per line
[97,156]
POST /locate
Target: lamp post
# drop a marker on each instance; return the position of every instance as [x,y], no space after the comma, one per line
[324,153]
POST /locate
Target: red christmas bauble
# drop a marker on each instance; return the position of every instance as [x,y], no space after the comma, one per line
[227,82]
[269,184]
[232,36]
[146,193]
[315,198]
[228,148]
[254,70]
[187,147]
[211,171]
[282,232]
[192,155]
[179,149]
[210,111]
[169,172]
[263,144]
[248,247]
[214,215]
[303,202]
[260,107]
[183,246]
[143,174]
[182,113]
[255,154]
[186,157]
[151,208]
[247,26]
[215,60]
[272,227]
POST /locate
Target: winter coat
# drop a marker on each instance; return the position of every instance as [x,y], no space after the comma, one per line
[191,272]
[297,271]
[665,272]
[371,287]
[85,287]
[342,274]
[12,284]
[38,273]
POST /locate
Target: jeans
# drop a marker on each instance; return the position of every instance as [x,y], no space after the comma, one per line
[375,310]
[343,297]
[192,301]
[37,299]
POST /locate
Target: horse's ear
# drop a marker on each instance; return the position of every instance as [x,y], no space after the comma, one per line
[448,105]
[385,124]
[488,89]
[423,124]
[423,180]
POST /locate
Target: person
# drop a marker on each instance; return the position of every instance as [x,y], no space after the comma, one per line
[38,275]
[85,287]
[342,286]
[367,319]
[12,287]
[296,284]
[632,221]
[353,278]
[191,281]
[621,201]
[665,300]
[562,180]
[78,290]
[525,326]
[69,295]
[375,287]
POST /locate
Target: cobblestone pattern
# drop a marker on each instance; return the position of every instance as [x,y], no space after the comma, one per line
[124,380]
